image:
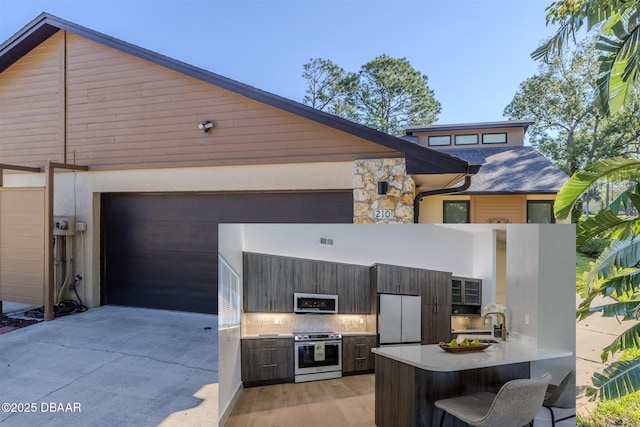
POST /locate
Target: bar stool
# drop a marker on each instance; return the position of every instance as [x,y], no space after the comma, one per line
[561,396]
[516,404]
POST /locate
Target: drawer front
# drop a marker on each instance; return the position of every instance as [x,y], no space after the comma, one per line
[264,362]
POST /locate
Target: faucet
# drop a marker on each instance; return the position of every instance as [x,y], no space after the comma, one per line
[504,322]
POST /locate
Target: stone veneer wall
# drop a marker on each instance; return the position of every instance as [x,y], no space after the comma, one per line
[396,206]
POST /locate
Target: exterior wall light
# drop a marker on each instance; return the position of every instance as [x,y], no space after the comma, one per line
[382,187]
[205,126]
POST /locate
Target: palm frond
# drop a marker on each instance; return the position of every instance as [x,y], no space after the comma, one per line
[618,379]
[607,222]
[628,339]
[622,284]
[621,254]
[616,169]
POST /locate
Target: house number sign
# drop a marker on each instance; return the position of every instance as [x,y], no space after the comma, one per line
[382,214]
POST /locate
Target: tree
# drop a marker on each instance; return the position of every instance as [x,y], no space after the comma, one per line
[617,23]
[386,94]
[328,87]
[615,273]
[391,95]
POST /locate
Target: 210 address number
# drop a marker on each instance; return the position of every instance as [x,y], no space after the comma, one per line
[382,214]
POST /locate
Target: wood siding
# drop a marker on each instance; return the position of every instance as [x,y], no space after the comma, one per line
[124,112]
[513,208]
[30,107]
[22,245]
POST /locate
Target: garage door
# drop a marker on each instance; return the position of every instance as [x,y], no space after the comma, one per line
[161,250]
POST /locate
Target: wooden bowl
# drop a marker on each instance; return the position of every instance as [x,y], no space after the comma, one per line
[470,349]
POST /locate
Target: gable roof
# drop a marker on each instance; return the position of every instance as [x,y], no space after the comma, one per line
[511,170]
[419,160]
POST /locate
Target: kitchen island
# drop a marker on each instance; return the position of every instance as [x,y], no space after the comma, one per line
[409,379]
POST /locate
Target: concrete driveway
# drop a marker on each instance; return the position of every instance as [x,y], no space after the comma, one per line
[592,335]
[111,366]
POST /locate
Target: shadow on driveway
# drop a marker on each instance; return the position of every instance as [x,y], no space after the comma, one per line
[111,366]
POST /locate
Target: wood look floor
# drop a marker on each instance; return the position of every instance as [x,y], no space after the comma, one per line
[344,402]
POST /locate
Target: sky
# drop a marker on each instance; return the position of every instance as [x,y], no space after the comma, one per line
[474,52]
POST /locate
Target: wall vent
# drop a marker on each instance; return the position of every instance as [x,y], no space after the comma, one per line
[326,241]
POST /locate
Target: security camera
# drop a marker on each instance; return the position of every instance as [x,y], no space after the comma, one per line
[205,126]
[62,225]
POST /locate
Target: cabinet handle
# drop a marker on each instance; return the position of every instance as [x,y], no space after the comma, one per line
[269,349]
[361,358]
[359,345]
[273,365]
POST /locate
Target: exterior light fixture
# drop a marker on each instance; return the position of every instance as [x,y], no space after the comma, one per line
[205,126]
[382,187]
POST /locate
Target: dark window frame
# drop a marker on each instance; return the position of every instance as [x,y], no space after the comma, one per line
[438,145]
[455,139]
[506,140]
[541,202]
[444,210]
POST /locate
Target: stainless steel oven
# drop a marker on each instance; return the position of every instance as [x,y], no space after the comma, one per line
[317,356]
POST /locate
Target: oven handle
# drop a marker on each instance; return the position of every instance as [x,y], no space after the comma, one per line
[303,343]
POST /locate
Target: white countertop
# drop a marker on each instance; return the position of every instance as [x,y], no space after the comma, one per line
[433,358]
[267,336]
[471,331]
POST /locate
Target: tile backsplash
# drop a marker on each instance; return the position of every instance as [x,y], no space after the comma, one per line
[286,323]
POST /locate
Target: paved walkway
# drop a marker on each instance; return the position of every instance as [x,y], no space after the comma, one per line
[111,366]
[592,335]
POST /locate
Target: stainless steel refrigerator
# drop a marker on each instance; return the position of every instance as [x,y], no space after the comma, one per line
[399,319]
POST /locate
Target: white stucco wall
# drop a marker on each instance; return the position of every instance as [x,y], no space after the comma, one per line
[421,246]
[78,194]
[484,263]
[541,286]
[230,247]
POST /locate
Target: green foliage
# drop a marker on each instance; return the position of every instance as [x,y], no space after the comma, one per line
[616,169]
[387,94]
[618,26]
[622,412]
[615,273]
[618,379]
[594,247]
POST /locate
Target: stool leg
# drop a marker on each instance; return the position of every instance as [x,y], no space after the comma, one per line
[553,418]
[442,418]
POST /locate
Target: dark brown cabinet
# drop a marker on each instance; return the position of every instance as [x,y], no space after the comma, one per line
[269,359]
[268,283]
[392,279]
[436,306]
[354,289]
[316,277]
[356,353]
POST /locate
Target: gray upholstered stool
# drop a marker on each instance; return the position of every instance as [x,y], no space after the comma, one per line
[561,396]
[516,404]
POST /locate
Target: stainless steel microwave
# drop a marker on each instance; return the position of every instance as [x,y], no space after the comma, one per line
[315,303]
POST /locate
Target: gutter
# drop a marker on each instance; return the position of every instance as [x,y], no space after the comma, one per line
[471,170]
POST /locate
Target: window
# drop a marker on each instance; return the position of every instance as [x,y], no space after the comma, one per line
[456,212]
[439,140]
[228,294]
[540,212]
[494,138]
[466,139]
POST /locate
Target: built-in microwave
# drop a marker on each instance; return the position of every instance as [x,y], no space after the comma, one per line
[315,303]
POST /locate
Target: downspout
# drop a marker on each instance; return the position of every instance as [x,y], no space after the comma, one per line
[422,194]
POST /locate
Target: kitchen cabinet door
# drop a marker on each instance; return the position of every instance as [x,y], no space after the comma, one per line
[394,279]
[354,289]
[268,283]
[267,360]
[435,287]
[356,354]
[436,324]
[466,291]
[314,277]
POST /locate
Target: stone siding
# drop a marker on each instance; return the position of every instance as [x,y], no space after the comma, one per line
[396,206]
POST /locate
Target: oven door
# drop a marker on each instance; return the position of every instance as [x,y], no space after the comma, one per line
[305,359]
